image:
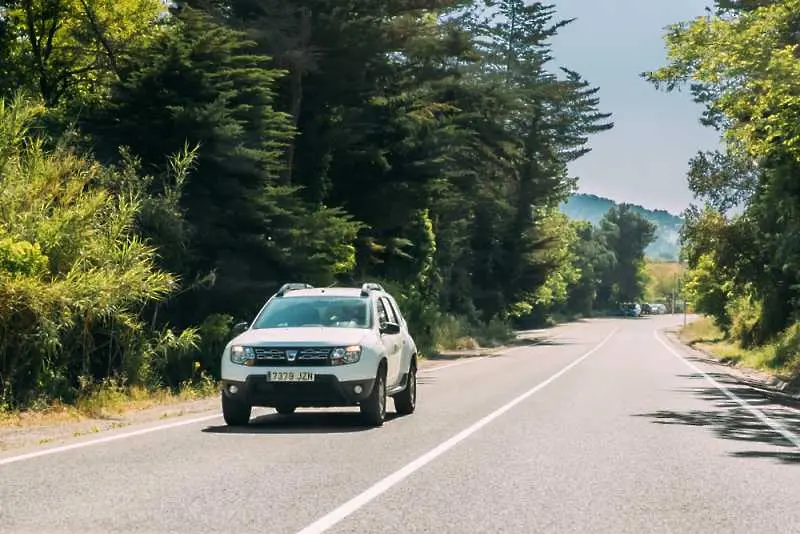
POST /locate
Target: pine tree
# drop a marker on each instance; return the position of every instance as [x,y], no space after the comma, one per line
[199,84]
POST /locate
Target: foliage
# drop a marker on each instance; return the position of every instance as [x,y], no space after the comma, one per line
[73,274]
[664,279]
[71,49]
[239,144]
[202,84]
[710,292]
[741,63]
[627,234]
[607,265]
[780,357]
[556,227]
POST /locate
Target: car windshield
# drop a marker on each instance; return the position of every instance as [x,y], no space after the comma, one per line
[330,312]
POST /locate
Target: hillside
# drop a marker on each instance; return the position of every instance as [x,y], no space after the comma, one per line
[592,208]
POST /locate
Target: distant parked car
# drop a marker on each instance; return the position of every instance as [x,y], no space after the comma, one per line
[631,309]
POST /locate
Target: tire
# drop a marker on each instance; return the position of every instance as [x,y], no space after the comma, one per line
[285,410]
[373,409]
[235,412]
[405,402]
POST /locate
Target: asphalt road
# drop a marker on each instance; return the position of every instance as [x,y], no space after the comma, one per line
[603,429]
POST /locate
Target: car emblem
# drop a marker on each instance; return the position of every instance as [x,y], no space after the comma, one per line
[291,355]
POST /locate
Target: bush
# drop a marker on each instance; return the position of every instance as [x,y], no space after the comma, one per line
[787,350]
[74,276]
[214,335]
[745,321]
[450,332]
[435,331]
[495,332]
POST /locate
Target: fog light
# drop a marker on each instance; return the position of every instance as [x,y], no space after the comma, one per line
[233,390]
[358,389]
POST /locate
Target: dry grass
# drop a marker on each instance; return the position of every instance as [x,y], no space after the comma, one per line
[701,331]
[777,359]
[55,413]
[105,401]
[465,343]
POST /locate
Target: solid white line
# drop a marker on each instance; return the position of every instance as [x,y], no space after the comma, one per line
[357,502]
[790,436]
[106,439]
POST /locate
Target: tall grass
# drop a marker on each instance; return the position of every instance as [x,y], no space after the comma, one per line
[779,357]
[74,275]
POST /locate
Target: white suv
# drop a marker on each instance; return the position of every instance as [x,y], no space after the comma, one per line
[321,347]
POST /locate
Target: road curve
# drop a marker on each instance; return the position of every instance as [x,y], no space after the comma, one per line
[605,428]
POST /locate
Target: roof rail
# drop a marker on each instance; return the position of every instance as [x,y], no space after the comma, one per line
[370,286]
[292,286]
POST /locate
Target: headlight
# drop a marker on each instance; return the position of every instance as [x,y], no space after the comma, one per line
[242,355]
[344,355]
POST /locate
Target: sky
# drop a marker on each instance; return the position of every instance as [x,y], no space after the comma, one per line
[644,158]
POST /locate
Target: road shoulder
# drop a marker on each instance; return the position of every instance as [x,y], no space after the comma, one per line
[765,383]
[52,431]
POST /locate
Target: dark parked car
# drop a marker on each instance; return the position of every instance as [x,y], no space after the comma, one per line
[631,309]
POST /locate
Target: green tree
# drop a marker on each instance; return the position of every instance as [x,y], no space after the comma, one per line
[627,234]
[709,291]
[71,49]
[549,120]
[592,258]
[200,84]
[744,69]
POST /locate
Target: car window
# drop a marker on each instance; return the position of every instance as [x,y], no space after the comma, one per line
[390,311]
[383,314]
[394,310]
[336,312]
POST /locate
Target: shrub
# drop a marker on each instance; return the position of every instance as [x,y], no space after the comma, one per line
[74,276]
[745,319]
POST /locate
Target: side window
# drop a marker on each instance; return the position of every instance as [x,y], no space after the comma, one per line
[383,315]
[395,310]
[390,311]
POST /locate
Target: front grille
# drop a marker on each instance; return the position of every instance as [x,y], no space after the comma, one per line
[303,356]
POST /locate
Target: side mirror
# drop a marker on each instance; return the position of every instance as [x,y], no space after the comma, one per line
[390,328]
[238,328]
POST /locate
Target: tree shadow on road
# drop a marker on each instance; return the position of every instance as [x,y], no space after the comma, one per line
[301,423]
[560,342]
[747,389]
[426,379]
[729,420]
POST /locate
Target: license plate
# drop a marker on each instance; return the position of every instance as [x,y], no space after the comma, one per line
[290,376]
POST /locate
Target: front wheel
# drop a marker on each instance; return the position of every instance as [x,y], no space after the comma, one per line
[373,408]
[235,412]
[405,402]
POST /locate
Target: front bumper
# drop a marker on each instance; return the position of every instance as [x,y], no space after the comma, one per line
[325,391]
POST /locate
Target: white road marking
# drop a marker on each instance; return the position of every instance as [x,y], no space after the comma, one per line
[106,439]
[176,424]
[357,502]
[787,434]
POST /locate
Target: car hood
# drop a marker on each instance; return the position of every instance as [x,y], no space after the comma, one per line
[309,337]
